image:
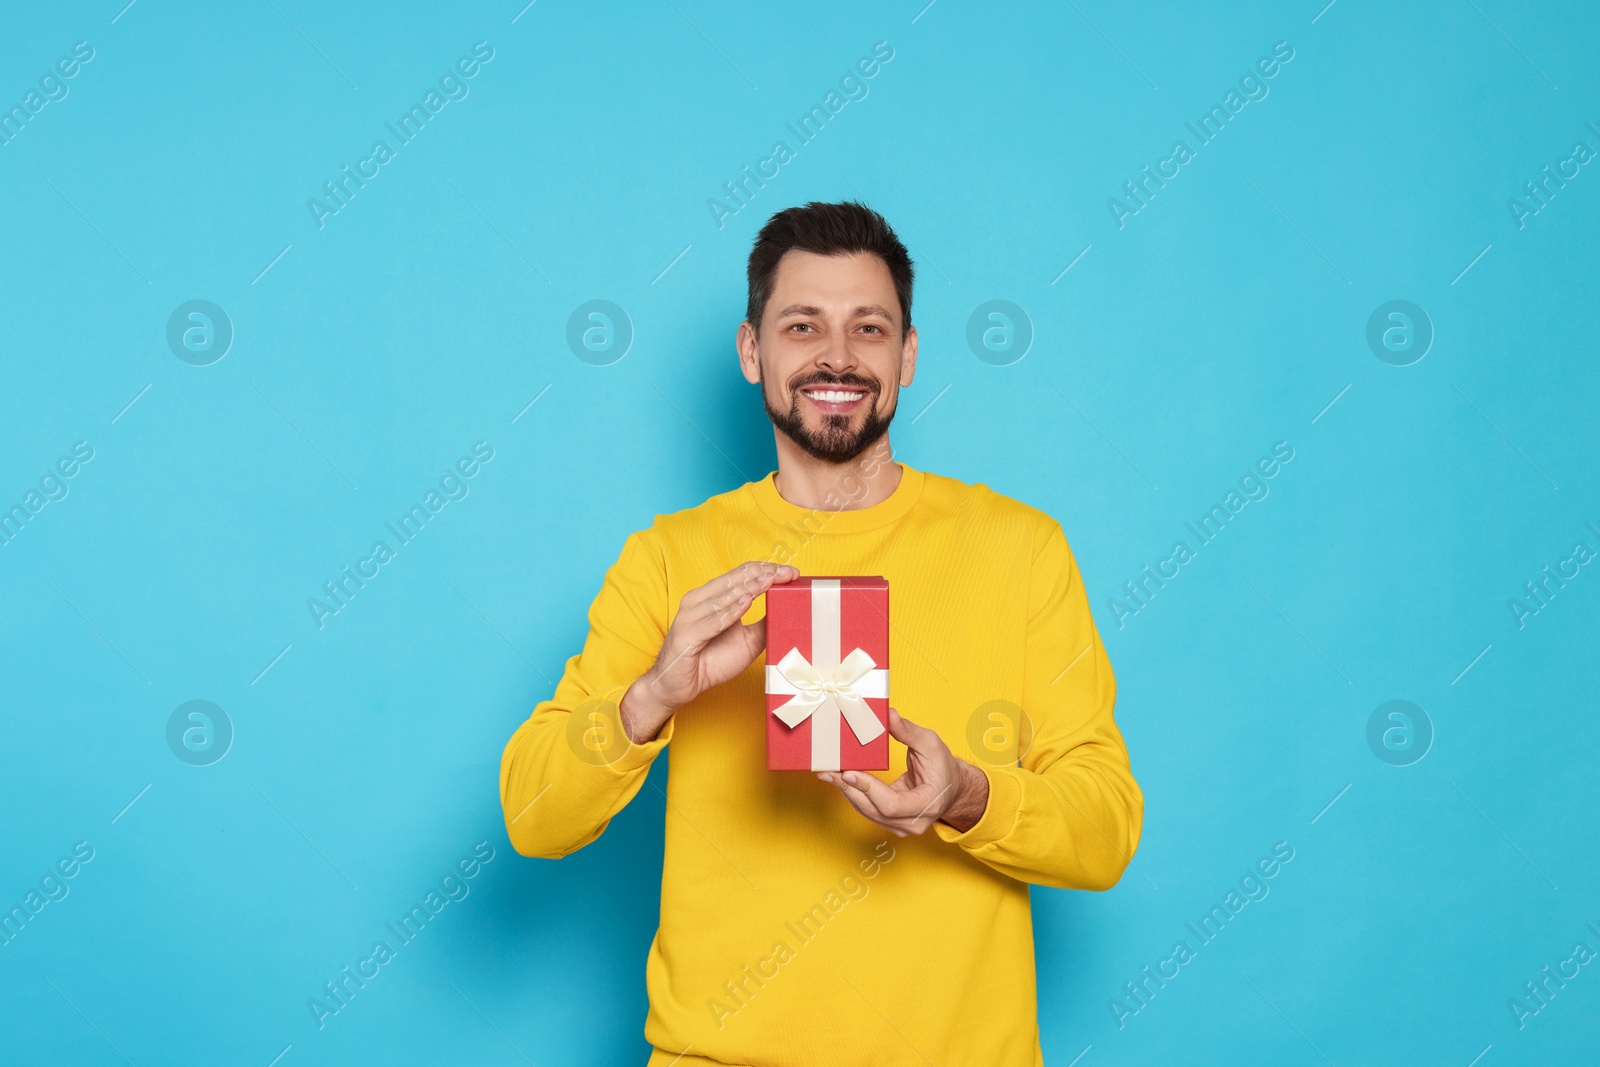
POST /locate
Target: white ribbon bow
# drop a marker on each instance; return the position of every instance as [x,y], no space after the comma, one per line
[825,688]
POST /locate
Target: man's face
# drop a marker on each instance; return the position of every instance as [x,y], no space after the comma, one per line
[830,357]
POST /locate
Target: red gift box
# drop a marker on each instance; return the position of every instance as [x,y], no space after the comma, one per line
[828,675]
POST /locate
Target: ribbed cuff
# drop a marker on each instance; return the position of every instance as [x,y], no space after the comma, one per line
[999,815]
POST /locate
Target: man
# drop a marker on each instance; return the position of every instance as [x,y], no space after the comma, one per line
[810,919]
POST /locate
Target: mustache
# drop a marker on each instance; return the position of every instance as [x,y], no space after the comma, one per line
[855,380]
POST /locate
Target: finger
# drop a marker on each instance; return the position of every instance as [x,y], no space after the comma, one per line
[757,578]
[750,570]
[863,804]
[925,746]
[860,803]
[723,608]
[891,802]
[712,619]
[738,589]
[755,635]
[786,574]
[918,738]
[859,799]
[718,593]
[753,577]
[737,647]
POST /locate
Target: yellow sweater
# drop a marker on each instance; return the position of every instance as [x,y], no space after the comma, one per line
[793,930]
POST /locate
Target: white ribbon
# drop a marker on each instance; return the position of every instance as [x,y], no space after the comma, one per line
[825,688]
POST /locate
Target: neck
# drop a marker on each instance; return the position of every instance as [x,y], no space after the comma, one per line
[822,486]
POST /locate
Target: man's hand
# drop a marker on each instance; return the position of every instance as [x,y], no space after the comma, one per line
[706,646]
[936,786]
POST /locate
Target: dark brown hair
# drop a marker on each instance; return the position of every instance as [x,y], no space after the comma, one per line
[827,230]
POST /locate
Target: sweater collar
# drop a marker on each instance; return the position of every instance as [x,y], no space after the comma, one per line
[851,520]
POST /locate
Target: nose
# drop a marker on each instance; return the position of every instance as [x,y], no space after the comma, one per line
[837,357]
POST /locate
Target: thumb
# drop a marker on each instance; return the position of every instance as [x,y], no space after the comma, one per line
[918,739]
[755,636]
[902,729]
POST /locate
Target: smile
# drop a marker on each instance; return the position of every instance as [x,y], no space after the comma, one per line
[834,399]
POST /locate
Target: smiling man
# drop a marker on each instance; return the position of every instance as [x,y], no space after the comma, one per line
[812,919]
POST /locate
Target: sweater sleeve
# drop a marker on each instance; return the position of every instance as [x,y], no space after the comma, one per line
[570,767]
[1070,814]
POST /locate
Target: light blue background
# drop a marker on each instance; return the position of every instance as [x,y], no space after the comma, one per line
[429,312]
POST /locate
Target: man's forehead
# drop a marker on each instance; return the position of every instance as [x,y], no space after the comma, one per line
[857,282]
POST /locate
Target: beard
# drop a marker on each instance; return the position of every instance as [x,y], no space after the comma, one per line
[834,442]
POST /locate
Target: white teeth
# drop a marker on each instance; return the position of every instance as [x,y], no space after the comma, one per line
[833,396]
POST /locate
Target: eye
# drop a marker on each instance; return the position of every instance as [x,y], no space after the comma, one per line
[801,325]
[873,326]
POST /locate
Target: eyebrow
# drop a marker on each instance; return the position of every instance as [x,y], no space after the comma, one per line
[811,309]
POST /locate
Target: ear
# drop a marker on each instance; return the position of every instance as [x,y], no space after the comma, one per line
[908,357]
[749,352]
